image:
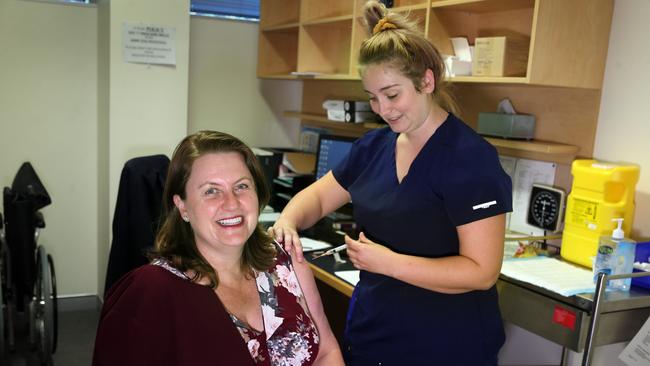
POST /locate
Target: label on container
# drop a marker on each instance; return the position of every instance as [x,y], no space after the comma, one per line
[601,165]
[583,212]
[564,317]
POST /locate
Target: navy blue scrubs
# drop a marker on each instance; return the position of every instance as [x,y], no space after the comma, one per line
[455,179]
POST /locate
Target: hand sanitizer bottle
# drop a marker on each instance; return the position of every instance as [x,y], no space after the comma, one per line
[624,261]
[615,256]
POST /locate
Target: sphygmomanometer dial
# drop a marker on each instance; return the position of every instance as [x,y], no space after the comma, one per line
[546,207]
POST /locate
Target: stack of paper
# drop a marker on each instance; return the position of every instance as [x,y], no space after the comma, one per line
[309,244]
[351,277]
[550,273]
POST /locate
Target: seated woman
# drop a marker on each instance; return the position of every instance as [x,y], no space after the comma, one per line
[218,290]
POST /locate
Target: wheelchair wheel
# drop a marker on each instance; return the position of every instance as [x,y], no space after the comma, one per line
[55,305]
[43,308]
[4,308]
[3,349]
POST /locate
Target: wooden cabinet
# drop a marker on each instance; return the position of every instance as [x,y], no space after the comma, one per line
[321,38]
[318,41]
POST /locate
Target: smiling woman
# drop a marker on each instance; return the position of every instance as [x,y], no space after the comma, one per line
[218,290]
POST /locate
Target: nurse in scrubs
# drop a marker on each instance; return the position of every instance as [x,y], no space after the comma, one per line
[430,197]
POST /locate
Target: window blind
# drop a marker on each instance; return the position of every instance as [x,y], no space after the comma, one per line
[238,9]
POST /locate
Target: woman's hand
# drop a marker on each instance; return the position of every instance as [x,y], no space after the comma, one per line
[368,255]
[286,234]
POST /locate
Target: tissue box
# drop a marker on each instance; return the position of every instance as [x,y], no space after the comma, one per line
[509,126]
[642,254]
[500,56]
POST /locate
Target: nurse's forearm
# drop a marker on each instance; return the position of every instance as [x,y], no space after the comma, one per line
[452,275]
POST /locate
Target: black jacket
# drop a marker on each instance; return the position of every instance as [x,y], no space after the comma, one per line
[137,214]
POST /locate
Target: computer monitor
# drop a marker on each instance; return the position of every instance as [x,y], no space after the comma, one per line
[331,150]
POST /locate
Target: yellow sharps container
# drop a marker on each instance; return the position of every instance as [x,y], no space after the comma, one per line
[600,192]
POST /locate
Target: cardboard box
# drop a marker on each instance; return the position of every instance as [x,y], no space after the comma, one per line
[299,162]
[500,56]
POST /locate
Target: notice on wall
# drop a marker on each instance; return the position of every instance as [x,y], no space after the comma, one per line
[637,352]
[148,44]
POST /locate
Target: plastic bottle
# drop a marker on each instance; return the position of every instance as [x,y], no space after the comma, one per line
[615,256]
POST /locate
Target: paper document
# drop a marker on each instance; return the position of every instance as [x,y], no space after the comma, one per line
[309,244]
[637,352]
[526,173]
[349,276]
[550,273]
[148,43]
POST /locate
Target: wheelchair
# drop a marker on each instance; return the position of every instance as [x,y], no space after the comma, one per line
[28,297]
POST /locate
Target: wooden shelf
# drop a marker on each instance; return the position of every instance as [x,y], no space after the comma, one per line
[489,79]
[318,120]
[312,10]
[310,77]
[407,8]
[482,6]
[280,27]
[342,18]
[532,146]
[535,146]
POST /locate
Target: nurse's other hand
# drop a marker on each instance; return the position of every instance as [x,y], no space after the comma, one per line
[287,235]
[366,254]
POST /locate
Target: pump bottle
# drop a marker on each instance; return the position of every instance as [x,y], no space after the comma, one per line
[615,256]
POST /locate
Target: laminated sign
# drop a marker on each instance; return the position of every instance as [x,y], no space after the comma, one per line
[149,44]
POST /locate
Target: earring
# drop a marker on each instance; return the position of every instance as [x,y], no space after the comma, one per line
[185,218]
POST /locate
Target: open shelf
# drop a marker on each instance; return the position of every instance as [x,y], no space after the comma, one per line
[317,120]
[279,13]
[340,18]
[546,36]
[531,146]
[325,47]
[535,146]
[489,79]
[482,6]
[280,27]
[311,10]
[278,51]
[472,19]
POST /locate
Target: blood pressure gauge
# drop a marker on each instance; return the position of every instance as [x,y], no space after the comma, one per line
[546,207]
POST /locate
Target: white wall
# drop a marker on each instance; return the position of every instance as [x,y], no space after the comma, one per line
[623,132]
[143,107]
[48,116]
[225,93]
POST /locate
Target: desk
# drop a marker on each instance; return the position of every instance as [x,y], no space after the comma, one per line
[565,320]
[560,319]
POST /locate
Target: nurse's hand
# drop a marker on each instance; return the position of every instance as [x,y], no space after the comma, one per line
[286,234]
[368,255]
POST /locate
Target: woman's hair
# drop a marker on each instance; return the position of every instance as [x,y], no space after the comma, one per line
[396,41]
[175,239]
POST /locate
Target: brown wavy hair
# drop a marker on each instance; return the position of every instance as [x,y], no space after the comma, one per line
[401,45]
[175,240]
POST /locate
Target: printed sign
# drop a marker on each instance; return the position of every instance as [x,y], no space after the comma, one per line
[149,44]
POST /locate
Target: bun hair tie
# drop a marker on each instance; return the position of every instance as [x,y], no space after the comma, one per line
[382,25]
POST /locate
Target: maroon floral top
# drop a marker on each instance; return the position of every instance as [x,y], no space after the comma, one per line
[289,337]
